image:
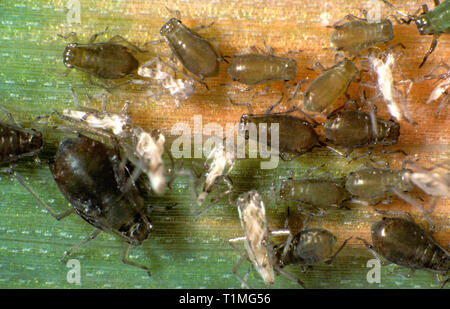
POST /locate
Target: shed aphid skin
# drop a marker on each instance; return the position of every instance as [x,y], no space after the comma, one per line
[358,34]
[434,22]
[324,90]
[149,150]
[401,241]
[179,89]
[111,60]
[259,249]
[91,177]
[220,163]
[383,65]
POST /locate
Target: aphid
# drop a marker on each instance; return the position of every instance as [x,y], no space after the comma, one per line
[434,22]
[106,61]
[256,240]
[195,53]
[17,142]
[255,69]
[316,193]
[329,86]
[357,35]
[296,136]
[179,89]
[307,248]
[91,177]
[352,128]
[403,242]
[369,185]
[219,163]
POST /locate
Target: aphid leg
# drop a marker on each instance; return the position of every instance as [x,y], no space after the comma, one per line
[317,65]
[415,204]
[68,35]
[268,48]
[344,154]
[271,107]
[126,261]
[252,48]
[288,156]
[248,105]
[201,27]
[243,257]
[94,234]
[407,275]
[44,204]
[260,93]
[216,45]
[297,87]
[375,254]
[431,49]
[119,38]
[395,213]
[289,275]
[95,35]
[330,260]
[442,281]
[176,12]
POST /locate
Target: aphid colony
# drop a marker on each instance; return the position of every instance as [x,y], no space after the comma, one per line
[99,171]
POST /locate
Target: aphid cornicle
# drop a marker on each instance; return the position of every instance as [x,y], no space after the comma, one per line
[353,128]
[370,185]
[195,53]
[90,176]
[255,69]
[357,35]
[329,86]
[434,22]
[403,242]
[316,193]
[105,60]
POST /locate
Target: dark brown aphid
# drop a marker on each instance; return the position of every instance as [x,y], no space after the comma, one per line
[92,179]
[195,53]
[308,247]
[357,35]
[255,69]
[105,60]
[316,193]
[353,128]
[329,86]
[402,242]
[296,135]
[17,142]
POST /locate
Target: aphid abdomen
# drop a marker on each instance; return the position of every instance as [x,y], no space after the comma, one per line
[16,142]
[349,128]
[316,192]
[329,86]
[358,35]
[254,69]
[404,243]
